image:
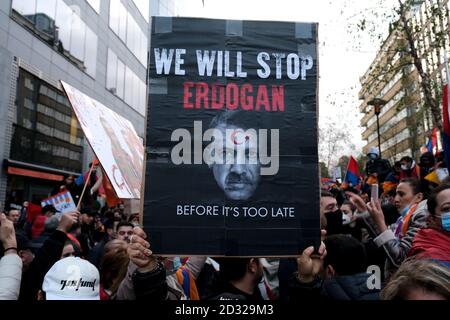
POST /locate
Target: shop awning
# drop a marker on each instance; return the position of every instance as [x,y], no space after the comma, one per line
[34,174]
[25,169]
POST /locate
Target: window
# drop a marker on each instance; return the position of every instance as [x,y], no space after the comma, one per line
[90,53]
[124,83]
[45,16]
[128,30]
[114,16]
[77,37]
[27,103]
[29,84]
[64,23]
[95,4]
[26,8]
[143,7]
[44,127]
[120,78]
[122,21]
[129,79]
[111,71]
[54,22]
[118,19]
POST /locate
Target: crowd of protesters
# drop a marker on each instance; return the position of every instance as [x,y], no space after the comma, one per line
[394,247]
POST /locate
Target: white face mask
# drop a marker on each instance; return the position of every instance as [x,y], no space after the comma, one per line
[408,166]
[345,219]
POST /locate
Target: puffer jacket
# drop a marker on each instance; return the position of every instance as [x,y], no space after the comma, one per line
[395,248]
[348,287]
[352,287]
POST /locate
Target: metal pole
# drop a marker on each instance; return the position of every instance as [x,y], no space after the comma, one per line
[378,133]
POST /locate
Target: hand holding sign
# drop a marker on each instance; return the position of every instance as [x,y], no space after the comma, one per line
[309,265]
[68,220]
[139,252]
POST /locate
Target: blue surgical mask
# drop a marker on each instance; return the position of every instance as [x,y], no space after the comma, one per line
[445,220]
[405,210]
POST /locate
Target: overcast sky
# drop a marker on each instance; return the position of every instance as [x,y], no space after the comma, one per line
[344,52]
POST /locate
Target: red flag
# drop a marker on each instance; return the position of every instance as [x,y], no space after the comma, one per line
[446,125]
[434,140]
[111,198]
[352,174]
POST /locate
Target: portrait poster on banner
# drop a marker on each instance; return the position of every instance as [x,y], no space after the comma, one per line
[113,140]
[232,164]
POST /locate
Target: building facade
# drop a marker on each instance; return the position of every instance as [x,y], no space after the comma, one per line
[404,123]
[98,46]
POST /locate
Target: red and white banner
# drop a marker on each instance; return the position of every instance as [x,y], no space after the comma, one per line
[113,140]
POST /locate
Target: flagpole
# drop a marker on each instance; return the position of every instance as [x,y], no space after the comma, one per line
[446,65]
[85,185]
[445,141]
[348,164]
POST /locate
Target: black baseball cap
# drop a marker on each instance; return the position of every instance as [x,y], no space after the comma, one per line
[48,208]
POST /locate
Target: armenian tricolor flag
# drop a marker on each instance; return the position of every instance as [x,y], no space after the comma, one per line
[432,142]
[352,175]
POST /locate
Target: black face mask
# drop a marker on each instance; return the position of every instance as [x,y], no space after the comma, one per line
[334,222]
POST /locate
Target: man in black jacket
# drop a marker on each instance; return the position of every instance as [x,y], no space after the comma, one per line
[238,280]
[376,166]
[36,267]
[337,273]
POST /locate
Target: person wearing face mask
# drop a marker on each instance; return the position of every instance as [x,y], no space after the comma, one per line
[376,168]
[337,272]
[331,221]
[397,238]
[433,242]
[331,217]
[426,164]
[409,168]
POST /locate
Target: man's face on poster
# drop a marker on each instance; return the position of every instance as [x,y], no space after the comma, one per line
[239,174]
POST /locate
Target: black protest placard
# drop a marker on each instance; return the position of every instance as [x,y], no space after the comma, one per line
[231,145]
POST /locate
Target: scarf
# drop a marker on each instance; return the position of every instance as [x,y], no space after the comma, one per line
[431,243]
